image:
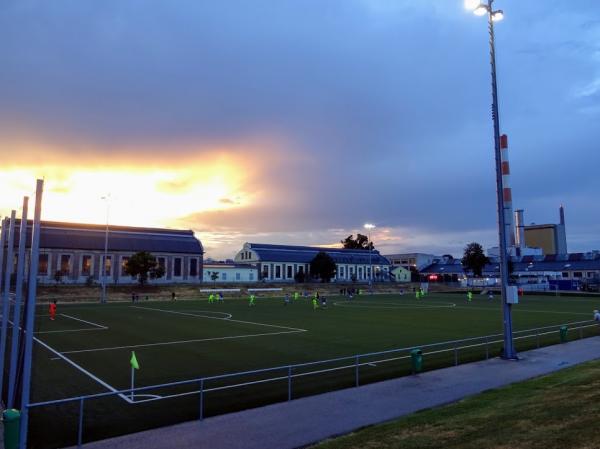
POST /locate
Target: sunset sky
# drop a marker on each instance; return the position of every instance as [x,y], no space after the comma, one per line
[285,121]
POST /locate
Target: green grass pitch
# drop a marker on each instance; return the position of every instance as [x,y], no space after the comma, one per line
[192,339]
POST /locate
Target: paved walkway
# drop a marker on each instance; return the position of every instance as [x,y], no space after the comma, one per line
[304,421]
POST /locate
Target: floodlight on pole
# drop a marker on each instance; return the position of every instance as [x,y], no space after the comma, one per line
[369,227]
[509,351]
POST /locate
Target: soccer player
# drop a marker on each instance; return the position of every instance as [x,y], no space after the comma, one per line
[211,298]
[296,295]
[252,300]
[286,299]
[418,294]
[315,304]
[53,309]
[220,296]
[596,315]
[469,296]
[490,295]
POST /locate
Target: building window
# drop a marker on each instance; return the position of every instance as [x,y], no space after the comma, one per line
[107,265]
[65,264]
[565,274]
[360,273]
[86,265]
[177,267]
[577,274]
[289,272]
[251,276]
[277,271]
[265,272]
[193,267]
[224,276]
[238,276]
[341,272]
[590,274]
[124,262]
[43,265]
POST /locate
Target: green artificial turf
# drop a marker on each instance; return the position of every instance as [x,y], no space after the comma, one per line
[551,412]
[267,335]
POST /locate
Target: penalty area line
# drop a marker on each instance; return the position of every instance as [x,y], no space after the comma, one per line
[177,342]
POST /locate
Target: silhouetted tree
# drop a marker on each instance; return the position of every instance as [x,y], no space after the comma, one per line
[360,242]
[323,266]
[474,258]
[143,266]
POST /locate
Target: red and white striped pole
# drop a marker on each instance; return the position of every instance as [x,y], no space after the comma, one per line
[509,228]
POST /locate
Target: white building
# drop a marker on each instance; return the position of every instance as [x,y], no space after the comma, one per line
[229,272]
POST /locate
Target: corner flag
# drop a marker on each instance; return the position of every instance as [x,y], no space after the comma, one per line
[133,361]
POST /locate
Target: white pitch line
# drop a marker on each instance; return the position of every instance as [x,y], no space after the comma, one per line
[83,370]
[84,321]
[517,309]
[223,319]
[179,342]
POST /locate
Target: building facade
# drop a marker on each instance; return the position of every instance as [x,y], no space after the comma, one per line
[281,263]
[73,253]
[230,273]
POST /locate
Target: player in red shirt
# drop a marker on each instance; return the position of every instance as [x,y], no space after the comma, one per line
[53,310]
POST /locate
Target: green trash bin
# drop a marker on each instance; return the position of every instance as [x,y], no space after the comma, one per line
[416,358]
[12,425]
[563,334]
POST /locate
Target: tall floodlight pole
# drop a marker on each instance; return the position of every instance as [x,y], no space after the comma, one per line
[482,9]
[103,274]
[8,270]
[29,319]
[368,227]
[14,350]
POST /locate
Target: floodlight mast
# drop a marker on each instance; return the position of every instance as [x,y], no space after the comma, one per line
[494,16]
[368,227]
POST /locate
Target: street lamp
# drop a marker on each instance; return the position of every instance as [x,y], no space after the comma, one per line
[103,272]
[482,9]
[368,227]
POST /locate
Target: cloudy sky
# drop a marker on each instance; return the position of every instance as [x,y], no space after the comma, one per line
[298,121]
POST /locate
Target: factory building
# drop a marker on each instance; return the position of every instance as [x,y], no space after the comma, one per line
[551,238]
[73,253]
[281,263]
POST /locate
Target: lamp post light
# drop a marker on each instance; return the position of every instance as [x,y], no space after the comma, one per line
[368,227]
[103,272]
[481,9]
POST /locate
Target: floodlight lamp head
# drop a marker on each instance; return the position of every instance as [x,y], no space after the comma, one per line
[498,15]
[471,5]
[369,226]
[481,10]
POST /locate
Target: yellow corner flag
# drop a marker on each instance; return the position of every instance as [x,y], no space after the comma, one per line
[133,361]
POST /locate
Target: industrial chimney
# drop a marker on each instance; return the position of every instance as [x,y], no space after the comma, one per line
[520,229]
[509,228]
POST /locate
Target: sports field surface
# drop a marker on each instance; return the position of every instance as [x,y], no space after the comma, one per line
[87,349]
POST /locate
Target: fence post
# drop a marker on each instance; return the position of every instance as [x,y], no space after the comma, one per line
[80,428]
[455,356]
[356,371]
[487,349]
[290,383]
[201,399]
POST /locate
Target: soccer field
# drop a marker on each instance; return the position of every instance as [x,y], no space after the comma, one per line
[87,349]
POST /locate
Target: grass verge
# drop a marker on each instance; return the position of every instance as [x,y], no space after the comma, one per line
[556,411]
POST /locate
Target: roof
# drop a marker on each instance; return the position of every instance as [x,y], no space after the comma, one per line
[526,264]
[77,236]
[305,254]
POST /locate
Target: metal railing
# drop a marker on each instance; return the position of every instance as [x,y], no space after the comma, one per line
[289,373]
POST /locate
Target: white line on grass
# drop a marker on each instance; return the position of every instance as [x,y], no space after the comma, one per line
[364,305]
[97,327]
[518,309]
[179,342]
[214,318]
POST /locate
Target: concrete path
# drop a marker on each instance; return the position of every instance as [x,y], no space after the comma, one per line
[304,421]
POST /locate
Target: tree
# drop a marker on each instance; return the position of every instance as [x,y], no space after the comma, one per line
[299,277]
[360,242]
[143,265]
[474,259]
[323,266]
[214,275]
